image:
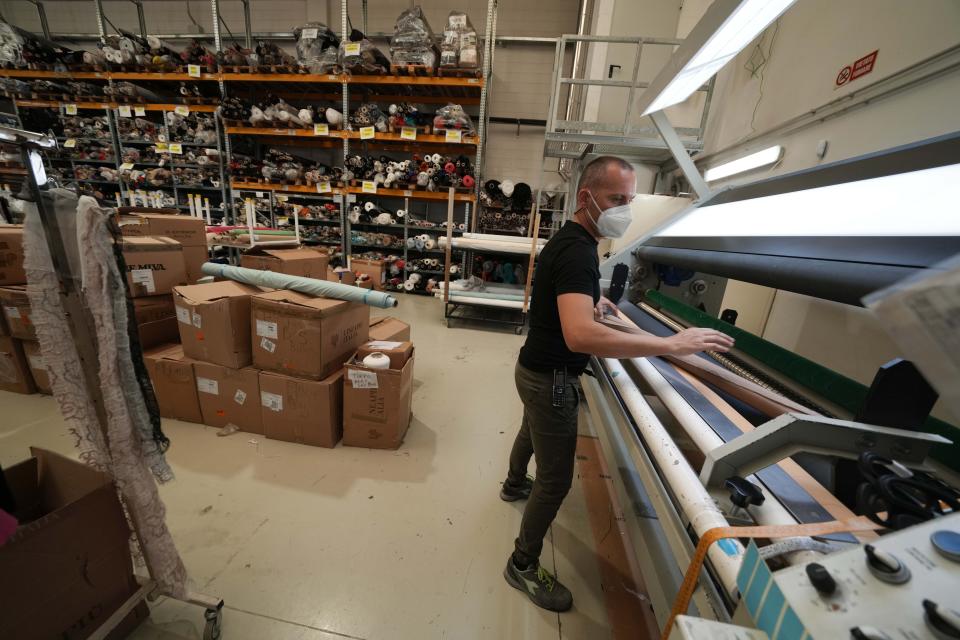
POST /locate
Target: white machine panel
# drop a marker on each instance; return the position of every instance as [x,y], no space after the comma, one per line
[690,628]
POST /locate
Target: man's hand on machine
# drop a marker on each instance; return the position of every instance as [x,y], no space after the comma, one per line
[694,340]
[604,307]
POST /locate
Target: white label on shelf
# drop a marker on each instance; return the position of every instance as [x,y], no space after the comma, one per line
[286,187]
[321,129]
[458,21]
[408,133]
[140,112]
[193,70]
[259,194]
[351,49]
[308,34]
[272,401]
[473,80]
[36,362]
[182,110]
[70,143]
[268,345]
[162,147]
[407,193]
[323,187]
[124,112]
[183,314]
[240,396]
[126,166]
[197,320]
[206,385]
[12,312]
[144,277]
[367,133]
[175,148]
[332,77]
[382,344]
[361,379]
[282,198]
[454,135]
[267,329]
[70,109]
[369,186]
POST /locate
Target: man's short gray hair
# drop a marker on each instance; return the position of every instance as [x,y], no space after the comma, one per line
[595,172]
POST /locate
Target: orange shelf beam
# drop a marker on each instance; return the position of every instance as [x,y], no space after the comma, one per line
[351,135]
[400,193]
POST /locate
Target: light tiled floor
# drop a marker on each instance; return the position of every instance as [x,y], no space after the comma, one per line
[312,543]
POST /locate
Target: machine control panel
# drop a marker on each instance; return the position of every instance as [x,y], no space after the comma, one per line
[904,586]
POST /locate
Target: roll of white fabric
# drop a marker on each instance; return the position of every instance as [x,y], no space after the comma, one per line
[377,360]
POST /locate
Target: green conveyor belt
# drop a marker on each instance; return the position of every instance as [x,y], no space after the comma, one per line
[829,384]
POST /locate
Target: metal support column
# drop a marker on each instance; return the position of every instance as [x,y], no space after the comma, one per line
[140,18]
[484,91]
[670,137]
[42,14]
[101,23]
[247,25]
[344,87]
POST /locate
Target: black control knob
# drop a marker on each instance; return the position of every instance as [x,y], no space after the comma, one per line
[942,622]
[743,493]
[867,633]
[885,566]
[821,579]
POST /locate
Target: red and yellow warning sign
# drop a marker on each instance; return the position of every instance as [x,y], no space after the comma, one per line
[858,69]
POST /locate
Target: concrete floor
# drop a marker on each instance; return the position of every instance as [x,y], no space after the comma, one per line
[312,543]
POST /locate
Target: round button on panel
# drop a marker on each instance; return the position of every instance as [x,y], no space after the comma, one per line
[947,544]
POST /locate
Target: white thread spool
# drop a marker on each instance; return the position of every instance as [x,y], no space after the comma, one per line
[408,286]
[415,278]
[454,269]
[377,360]
[429,243]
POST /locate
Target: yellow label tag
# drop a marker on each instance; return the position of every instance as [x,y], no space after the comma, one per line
[408,133]
[321,129]
[351,49]
[139,112]
[193,70]
[182,110]
[126,166]
[283,221]
[454,135]
[162,147]
[175,148]
[124,112]
[282,199]
[407,193]
[70,109]
[367,133]
[70,143]
[323,187]
[369,186]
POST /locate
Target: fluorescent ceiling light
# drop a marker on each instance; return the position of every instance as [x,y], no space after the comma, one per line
[918,203]
[746,163]
[741,26]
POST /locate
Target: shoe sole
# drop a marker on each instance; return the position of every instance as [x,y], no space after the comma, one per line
[506,497]
[516,585]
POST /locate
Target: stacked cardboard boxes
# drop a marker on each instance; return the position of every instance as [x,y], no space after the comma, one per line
[16,326]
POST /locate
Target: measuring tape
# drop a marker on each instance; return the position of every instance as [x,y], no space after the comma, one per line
[689,585]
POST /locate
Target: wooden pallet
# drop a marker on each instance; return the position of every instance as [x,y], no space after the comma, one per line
[412,70]
[455,72]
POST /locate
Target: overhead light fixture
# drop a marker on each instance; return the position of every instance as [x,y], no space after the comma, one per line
[725,29]
[753,161]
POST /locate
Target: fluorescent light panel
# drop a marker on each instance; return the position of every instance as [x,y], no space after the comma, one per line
[737,31]
[753,161]
[918,203]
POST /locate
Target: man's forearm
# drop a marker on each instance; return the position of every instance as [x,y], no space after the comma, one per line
[604,342]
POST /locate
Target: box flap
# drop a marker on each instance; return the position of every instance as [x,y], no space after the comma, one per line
[63,480]
[212,291]
[13,292]
[166,352]
[323,306]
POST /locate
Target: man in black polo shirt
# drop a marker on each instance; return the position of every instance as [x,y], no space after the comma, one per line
[563,335]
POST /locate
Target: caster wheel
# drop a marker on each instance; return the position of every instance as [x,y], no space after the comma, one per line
[518,331]
[212,629]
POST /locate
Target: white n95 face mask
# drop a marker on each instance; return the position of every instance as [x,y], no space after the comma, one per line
[613,222]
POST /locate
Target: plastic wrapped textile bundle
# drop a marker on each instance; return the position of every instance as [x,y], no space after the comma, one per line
[413,41]
[317,48]
[360,57]
[459,47]
[453,116]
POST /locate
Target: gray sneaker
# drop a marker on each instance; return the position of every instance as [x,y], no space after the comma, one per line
[509,493]
[542,588]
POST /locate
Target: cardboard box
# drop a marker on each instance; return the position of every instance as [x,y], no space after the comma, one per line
[37,366]
[302,411]
[376,269]
[156,320]
[174,383]
[16,312]
[11,255]
[14,371]
[68,567]
[343,277]
[390,329]
[299,335]
[295,262]
[398,352]
[193,259]
[229,396]
[191,233]
[154,265]
[214,322]
[376,405]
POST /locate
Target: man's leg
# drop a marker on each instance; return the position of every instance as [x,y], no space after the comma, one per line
[517,486]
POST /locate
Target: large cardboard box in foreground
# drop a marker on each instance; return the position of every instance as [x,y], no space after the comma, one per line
[14,372]
[229,396]
[299,335]
[68,567]
[154,265]
[376,405]
[214,321]
[16,312]
[174,383]
[38,368]
[302,411]
[11,255]
[389,328]
[294,262]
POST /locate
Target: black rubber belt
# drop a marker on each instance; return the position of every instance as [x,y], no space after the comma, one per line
[791,495]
